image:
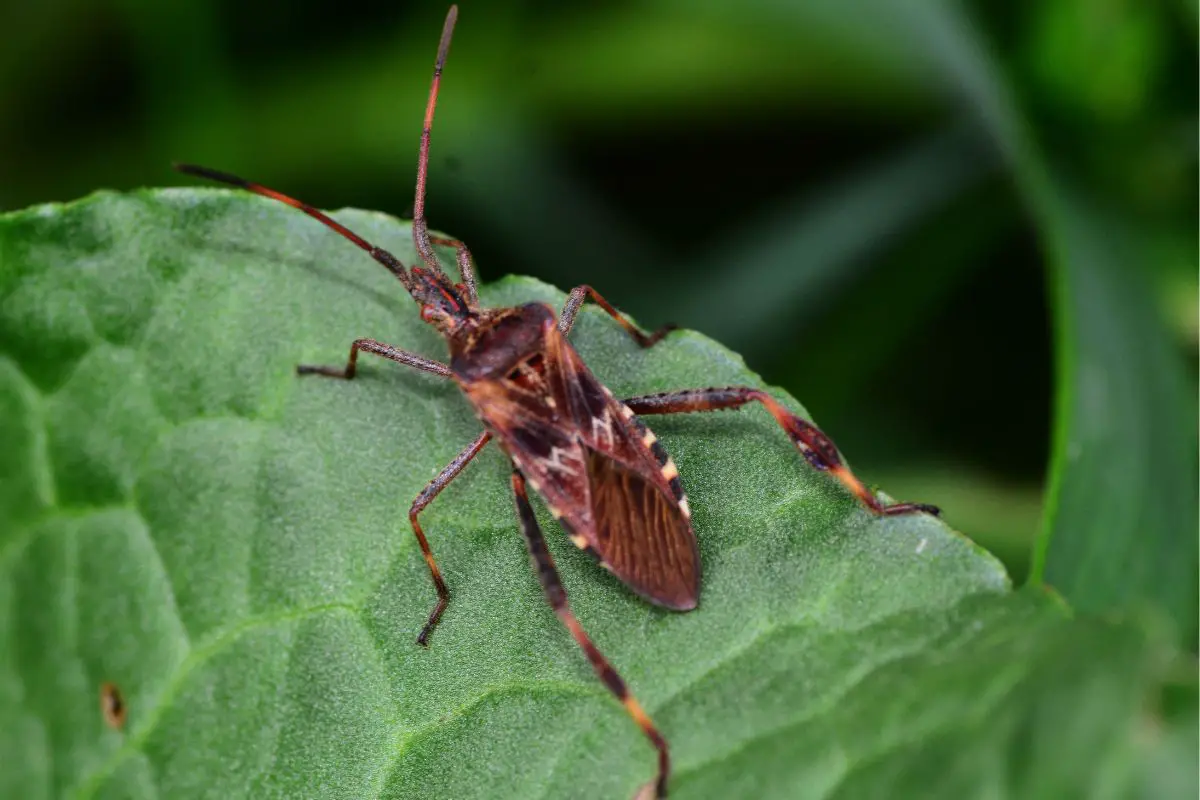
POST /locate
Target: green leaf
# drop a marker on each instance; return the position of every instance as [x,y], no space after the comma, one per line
[1120,528]
[226,543]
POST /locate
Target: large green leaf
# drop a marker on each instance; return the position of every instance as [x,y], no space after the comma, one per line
[227,543]
[1120,530]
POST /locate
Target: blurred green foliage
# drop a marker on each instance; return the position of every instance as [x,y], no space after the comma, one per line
[837,189]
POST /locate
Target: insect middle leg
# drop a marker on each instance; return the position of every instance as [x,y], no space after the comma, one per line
[543,564]
[379,349]
[581,293]
[808,438]
[431,490]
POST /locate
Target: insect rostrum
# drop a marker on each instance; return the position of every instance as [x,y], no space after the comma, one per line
[601,471]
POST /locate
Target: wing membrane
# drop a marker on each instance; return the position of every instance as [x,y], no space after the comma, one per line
[641,535]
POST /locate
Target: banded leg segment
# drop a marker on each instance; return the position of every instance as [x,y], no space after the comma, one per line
[379,349]
[579,294]
[431,490]
[543,564]
[817,448]
[466,264]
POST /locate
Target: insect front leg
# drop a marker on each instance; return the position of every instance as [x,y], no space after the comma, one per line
[466,264]
[379,349]
[543,564]
[581,293]
[431,490]
[817,448]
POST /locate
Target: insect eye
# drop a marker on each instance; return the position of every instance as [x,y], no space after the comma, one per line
[428,313]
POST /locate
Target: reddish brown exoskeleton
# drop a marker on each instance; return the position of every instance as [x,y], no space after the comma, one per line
[600,470]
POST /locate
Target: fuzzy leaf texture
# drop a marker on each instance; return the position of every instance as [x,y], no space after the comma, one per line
[228,544]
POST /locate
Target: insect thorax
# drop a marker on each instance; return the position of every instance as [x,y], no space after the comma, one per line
[500,340]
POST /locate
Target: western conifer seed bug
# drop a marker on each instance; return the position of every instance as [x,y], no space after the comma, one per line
[602,473]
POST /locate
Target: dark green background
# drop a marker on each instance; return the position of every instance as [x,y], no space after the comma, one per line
[816,184]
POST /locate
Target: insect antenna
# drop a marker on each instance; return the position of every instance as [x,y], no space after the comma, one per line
[420,228]
[385,258]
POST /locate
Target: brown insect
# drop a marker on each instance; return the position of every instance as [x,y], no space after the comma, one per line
[600,470]
[112,705]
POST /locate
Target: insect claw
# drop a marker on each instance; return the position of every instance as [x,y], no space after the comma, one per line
[434,616]
[657,336]
[896,509]
[423,638]
[329,372]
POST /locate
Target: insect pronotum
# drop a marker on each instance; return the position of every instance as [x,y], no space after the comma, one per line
[602,473]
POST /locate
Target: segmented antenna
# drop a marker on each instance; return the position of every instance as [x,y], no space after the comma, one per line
[420,229]
[385,258]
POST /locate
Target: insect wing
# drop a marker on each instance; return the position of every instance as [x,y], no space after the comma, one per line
[639,526]
[641,534]
[603,475]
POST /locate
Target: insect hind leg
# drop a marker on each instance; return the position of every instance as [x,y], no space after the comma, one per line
[543,564]
[817,448]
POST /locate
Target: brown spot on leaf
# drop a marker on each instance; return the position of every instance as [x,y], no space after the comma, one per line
[112,705]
